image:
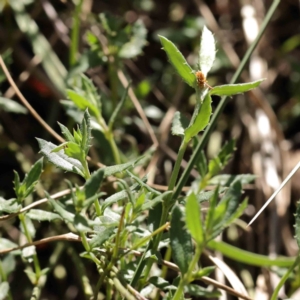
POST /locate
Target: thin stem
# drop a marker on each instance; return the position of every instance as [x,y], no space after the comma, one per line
[114,148]
[75,34]
[284,278]
[196,154]
[35,258]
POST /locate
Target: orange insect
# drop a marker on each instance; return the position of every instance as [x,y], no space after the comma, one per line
[201,80]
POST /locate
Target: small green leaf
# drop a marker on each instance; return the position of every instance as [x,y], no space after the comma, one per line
[207,51]
[180,240]
[6,244]
[233,89]
[111,170]
[204,272]
[12,106]
[297,225]
[150,204]
[4,288]
[201,120]
[227,180]
[9,206]
[42,215]
[178,61]
[177,124]
[66,133]
[60,159]
[202,164]
[82,103]
[85,129]
[199,291]
[138,40]
[92,185]
[161,283]
[103,234]
[210,213]
[193,219]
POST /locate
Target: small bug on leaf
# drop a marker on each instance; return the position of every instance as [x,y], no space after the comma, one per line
[201,80]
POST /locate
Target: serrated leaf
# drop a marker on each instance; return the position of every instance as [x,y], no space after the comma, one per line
[297,224]
[103,234]
[201,120]
[12,106]
[85,129]
[9,206]
[73,150]
[178,61]
[207,52]
[180,240]
[227,180]
[92,185]
[66,133]
[60,159]
[82,103]
[137,41]
[233,89]
[193,219]
[4,288]
[42,215]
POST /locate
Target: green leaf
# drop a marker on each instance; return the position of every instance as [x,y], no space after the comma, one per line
[85,129]
[42,215]
[180,240]
[154,217]
[233,89]
[207,52]
[204,272]
[103,234]
[297,225]
[4,288]
[220,161]
[199,291]
[66,133]
[111,170]
[178,61]
[210,213]
[82,103]
[118,108]
[6,244]
[193,219]
[201,120]
[9,206]
[12,106]
[177,124]
[138,40]
[161,283]
[66,215]
[227,180]
[202,164]
[150,204]
[60,159]
[81,223]
[250,258]
[30,180]
[93,184]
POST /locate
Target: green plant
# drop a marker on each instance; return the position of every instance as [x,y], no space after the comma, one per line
[112,229]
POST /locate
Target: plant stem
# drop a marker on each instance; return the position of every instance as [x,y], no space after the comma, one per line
[35,258]
[196,154]
[75,33]
[284,278]
[186,278]
[109,136]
